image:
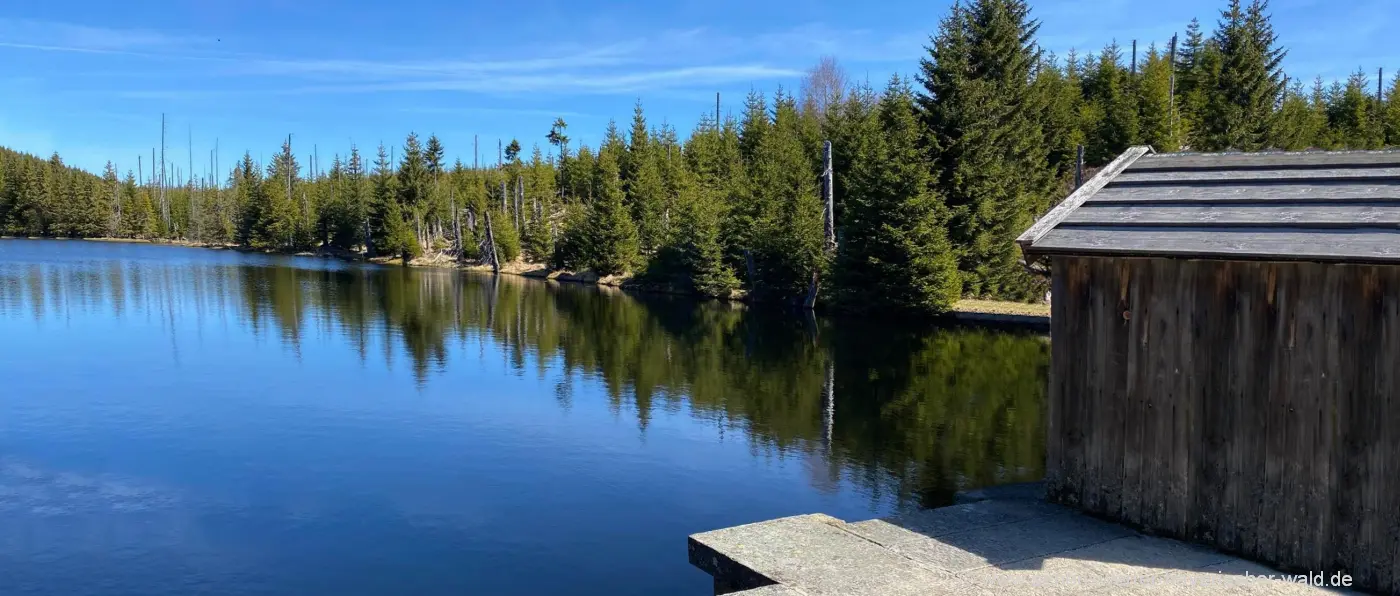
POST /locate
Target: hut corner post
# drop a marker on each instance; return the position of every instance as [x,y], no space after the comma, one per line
[828,224]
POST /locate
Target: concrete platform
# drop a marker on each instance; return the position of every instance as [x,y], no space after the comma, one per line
[994,543]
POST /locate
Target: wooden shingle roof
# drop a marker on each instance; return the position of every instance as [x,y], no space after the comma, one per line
[1339,206]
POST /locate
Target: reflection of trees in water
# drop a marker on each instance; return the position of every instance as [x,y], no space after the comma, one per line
[914,415]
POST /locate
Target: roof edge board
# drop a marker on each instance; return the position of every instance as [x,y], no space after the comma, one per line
[1077,198]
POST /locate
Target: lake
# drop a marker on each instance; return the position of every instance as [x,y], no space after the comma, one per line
[179,420]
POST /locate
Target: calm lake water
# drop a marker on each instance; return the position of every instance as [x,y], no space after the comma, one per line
[182,421]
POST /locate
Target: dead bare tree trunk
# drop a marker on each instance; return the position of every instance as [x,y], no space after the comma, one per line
[828,224]
[164,208]
[189,184]
[491,245]
[456,224]
[519,202]
[748,265]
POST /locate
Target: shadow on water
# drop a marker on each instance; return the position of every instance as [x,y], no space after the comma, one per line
[915,414]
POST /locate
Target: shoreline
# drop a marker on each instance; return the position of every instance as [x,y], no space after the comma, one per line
[967,310]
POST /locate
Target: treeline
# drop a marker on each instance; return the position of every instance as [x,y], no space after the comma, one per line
[933,178]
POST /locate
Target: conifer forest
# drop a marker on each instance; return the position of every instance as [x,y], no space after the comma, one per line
[932,178]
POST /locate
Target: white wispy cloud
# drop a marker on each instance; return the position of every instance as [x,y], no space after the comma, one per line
[68,37]
[677,59]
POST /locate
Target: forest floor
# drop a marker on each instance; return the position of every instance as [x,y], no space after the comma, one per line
[969,308]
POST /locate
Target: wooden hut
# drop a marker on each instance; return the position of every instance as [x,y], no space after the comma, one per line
[1226,353]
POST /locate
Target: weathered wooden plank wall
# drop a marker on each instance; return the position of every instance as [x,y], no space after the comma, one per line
[1253,406]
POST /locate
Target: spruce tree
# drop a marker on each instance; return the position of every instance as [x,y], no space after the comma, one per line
[391,233]
[611,236]
[1298,125]
[701,215]
[788,239]
[415,184]
[1238,111]
[105,222]
[1157,126]
[1061,96]
[1117,127]
[989,148]
[849,122]
[755,123]
[279,220]
[713,154]
[1352,115]
[1391,116]
[642,183]
[537,242]
[247,188]
[895,255]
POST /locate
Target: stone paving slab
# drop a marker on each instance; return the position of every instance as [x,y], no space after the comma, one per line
[988,547]
[771,590]
[819,557]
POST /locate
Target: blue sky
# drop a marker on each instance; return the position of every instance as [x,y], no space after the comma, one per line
[91,78]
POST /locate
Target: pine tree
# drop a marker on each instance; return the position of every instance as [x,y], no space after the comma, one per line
[896,254]
[990,151]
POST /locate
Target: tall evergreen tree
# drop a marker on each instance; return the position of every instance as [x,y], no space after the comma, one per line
[1390,118]
[1061,95]
[1238,111]
[713,154]
[1352,115]
[611,235]
[415,184]
[788,239]
[279,220]
[1299,125]
[642,183]
[990,151]
[896,254]
[1157,125]
[392,235]
[1110,89]
[537,240]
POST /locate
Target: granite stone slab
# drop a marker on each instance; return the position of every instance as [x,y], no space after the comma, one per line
[994,546]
